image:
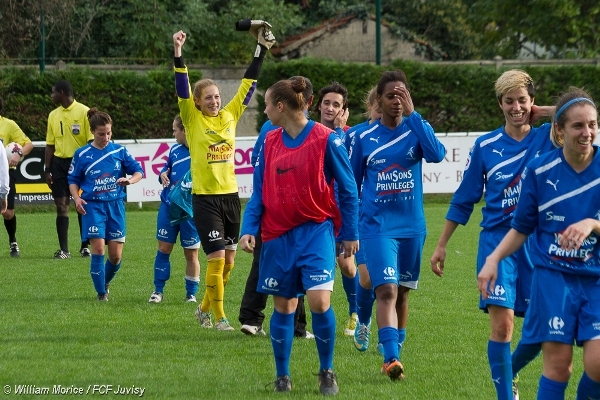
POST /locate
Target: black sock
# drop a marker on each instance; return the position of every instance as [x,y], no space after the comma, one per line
[62,229]
[11,228]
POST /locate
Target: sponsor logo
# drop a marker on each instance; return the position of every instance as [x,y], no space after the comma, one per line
[498,293]
[116,234]
[556,324]
[93,229]
[411,153]
[498,152]
[213,235]
[271,283]
[551,217]
[389,273]
[283,171]
[375,162]
[501,177]
[553,184]
[162,232]
[376,140]
[117,165]
[95,172]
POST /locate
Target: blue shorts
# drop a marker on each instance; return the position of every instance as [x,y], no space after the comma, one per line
[104,220]
[564,308]
[513,284]
[360,256]
[299,260]
[396,261]
[165,232]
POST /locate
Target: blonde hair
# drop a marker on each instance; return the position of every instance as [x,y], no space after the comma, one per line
[370,102]
[511,80]
[201,84]
[565,101]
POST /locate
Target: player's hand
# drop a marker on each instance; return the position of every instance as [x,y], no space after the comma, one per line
[14,159]
[350,247]
[255,26]
[437,261]
[123,181]
[179,39]
[3,206]
[48,177]
[164,178]
[79,203]
[573,237]
[266,37]
[341,118]
[247,243]
[405,100]
[486,279]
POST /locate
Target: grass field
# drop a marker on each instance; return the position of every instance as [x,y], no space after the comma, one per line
[53,331]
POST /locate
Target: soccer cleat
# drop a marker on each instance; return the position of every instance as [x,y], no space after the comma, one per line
[351,324]
[328,382]
[283,384]
[191,299]
[85,252]
[223,325]
[394,369]
[61,255]
[155,297]
[361,337]
[203,318]
[103,297]
[253,330]
[14,249]
[515,389]
[309,335]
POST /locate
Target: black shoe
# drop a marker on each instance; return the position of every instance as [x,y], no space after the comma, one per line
[103,297]
[283,384]
[328,382]
[61,255]
[14,249]
[85,252]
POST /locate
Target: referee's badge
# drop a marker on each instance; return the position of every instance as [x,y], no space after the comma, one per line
[76,129]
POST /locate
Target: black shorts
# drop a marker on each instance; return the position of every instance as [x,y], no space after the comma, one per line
[10,201]
[60,170]
[217,219]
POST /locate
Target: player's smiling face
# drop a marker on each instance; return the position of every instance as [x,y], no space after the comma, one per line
[580,130]
[516,106]
[210,101]
[330,106]
[102,136]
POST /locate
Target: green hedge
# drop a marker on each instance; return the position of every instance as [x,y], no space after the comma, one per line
[453,98]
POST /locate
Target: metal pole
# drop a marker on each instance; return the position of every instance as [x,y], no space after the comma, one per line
[378,32]
[42,42]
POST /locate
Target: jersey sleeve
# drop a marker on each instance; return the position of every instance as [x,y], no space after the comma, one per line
[338,166]
[254,208]
[130,165]
[17,135]
[470,189]
[433,150]
[526,214]
[50,132]
[75,170]
[356,161]
[242,98]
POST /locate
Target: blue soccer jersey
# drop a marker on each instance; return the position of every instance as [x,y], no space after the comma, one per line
[178,165]
[96,171]
[553,197]
[495,165]
[388,164]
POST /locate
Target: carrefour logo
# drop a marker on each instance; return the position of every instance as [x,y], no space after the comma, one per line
[556,323]
[93,229]
[271,282]
[162,232]
[499,290]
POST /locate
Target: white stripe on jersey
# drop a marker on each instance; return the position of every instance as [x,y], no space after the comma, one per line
[182,160]
[548,166]
[362,135]
[490,140]
[573,193]
[101,158]
[509,161]
[393,142]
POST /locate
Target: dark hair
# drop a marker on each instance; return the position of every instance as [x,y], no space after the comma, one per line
[289,92]
[65,87]
[564,103]
[391,76]
[179,122]
[308,92]
[334,87]
[98,118]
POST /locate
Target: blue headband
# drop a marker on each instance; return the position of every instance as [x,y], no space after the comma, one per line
[569,103]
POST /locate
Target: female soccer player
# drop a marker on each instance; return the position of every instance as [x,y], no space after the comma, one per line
[210,131]
[293,202]
[100,170]
[176,167]
[386,161]
[558,210]
[494,170]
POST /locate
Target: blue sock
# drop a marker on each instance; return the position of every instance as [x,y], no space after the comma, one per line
[388,337]
[162,270]
[588,389]
[111,270]
[97,273]
[500,366]
[401,339]
[523,355]
[282,336]
[364,304]
[551,390]
[350,287]
[191,285]
[324,330]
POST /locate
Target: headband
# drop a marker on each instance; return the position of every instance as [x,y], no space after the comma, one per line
[569,103]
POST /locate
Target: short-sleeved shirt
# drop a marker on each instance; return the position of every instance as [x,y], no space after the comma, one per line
[10,132]
[68,129]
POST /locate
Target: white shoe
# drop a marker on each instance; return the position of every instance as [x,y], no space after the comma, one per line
[223,325]
[155,297]
[309,335]
[191,299]
[253,330]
